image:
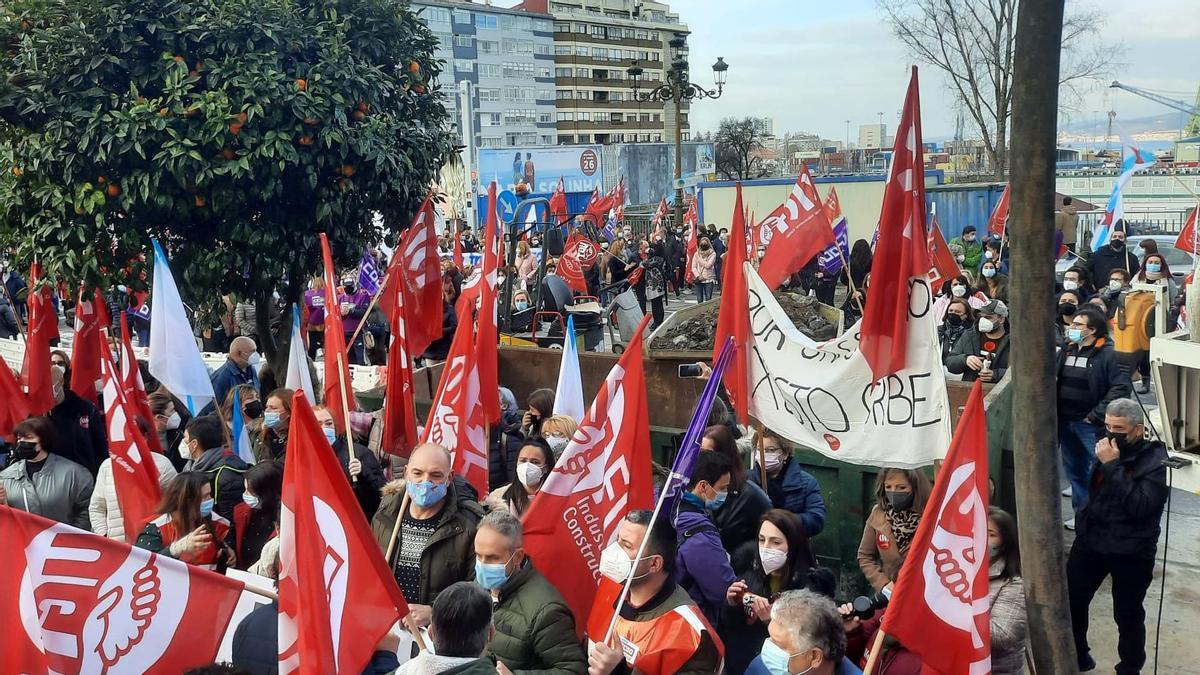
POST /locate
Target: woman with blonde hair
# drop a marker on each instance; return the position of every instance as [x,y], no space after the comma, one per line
[900,496]
[558,430]
[527,263]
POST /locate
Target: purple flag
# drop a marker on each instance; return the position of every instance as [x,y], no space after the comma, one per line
[689,449]
[368,274]
[830,260]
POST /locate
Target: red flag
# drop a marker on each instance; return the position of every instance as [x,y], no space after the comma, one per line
[939,607]
[597,206]
[337,597]
[135,475]
[998,221]
[14,407]
[456,418]
[35,373]
[399,406]
[487,338]
[1187,240]
[944,266]
[901,252]
[336,378]
[619,205]
[603,473]
[660,212]
[693,241]
[558,203]
[415,265]
[85,350]
[571,264]
[76,602]
[132,386]
[800,231]
[458,252]
[734,318]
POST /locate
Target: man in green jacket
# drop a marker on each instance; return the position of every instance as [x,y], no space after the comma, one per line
[434,546]
[972,250]
[535,630]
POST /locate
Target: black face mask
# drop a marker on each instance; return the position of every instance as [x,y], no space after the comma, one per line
[253,409]
[24,450]
[900,501]
[1067,308]
[1120,441]
[349,288]
[704,247]
[954,320]
[1117,244]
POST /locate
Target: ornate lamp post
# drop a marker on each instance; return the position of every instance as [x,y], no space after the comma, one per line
[677,89]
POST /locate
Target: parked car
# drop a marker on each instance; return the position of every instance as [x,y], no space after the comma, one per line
[1179,261]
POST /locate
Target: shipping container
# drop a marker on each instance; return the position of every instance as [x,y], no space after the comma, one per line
[963,204]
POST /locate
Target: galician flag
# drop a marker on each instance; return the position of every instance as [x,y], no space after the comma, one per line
[1133,159]
[175,359]
[568,396]
[298,376]
[237,431]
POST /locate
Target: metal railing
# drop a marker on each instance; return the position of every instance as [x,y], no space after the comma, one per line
[1142,221]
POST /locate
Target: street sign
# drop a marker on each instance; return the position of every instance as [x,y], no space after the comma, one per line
[689,180]
[506,204]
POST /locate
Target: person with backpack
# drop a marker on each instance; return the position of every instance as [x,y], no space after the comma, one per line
[203,444]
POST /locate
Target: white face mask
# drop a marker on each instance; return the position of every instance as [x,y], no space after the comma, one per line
[529,474]
[986,325]
[184,451]
[958,290]
[1115,284]
[557,443]
[615,565]
[772,559]
[1069,285]
[173,421]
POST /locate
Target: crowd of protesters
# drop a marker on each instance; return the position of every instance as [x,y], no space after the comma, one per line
[740,563]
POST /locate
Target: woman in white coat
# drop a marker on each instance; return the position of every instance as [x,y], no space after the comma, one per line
[104,509]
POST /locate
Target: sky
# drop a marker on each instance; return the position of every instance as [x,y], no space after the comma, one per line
[813,64]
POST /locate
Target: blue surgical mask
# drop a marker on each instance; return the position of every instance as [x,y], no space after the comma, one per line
[206,507]
[1075,335]
[521,305]
[716,502]
[776,660]
[1153,268]
[251,500]
[330,434]
[270,420]
[989,272]
[426,493]
[492,575]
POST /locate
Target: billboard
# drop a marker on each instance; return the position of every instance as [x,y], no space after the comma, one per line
[541,167]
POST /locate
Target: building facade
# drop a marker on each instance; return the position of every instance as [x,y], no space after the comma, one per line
[595,41]
[872,136]
[508,57]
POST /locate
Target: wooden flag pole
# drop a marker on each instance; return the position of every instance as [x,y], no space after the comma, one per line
[341,364]
[876,649]
[849,279]
[408,622]
[363,321]
[762,459]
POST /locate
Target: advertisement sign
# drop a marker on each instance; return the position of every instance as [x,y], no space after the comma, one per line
[541,167]
[705,159]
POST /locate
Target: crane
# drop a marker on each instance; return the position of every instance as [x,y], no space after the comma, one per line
[1193,111]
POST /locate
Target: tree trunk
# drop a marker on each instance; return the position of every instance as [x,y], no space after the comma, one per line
[1035,109]
[1001,155]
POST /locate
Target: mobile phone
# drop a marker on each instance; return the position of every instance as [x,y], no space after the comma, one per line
[689,370]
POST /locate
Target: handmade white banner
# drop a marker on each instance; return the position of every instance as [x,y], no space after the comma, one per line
[821,395]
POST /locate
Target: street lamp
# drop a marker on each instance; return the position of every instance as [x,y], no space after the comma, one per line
[676,89]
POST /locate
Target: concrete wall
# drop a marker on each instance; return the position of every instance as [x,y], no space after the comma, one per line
[860,196]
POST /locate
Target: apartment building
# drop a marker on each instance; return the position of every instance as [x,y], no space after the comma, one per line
[508,57]
[595,41]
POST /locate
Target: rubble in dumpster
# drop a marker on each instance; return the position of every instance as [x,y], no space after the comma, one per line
[695,333]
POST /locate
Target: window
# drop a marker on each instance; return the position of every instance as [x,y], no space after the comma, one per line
[489,70]
[464,65]
[485,21]
[490,119]
[581,28]
[562,50]
[518,94]
[583,95]
[583,72]
[600,53]
[547,140]
[582,51]
[463,41]
[585,116]
[490,142]
[566,140]
[641,35]
[544,118]
[561,27]
[488,94]
[436,15]
[543,71]
[563,94]
[616,75]
[565,116]
[657,138]
[545,94]
[562,72]
[615,118]
[615,32]
[512,69]
[585,138]
[657,117]
[597,31]
[488,46]
[509,46]
[520,116]
[645,117]
[462,16]
[522,138]
[544,25]
[541,49]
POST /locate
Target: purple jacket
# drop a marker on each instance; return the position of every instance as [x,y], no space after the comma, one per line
[314,302]
[358,307]
[701,563]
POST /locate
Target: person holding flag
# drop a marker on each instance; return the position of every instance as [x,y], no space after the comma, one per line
[1113,255]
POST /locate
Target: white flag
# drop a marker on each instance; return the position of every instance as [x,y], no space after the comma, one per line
[298,376]
[568,397]
[175,359]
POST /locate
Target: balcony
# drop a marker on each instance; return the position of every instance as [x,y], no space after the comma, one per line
[609,63]
[625,127]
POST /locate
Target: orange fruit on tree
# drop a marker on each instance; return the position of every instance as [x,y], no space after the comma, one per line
[199,201]
[241,117]
[302,84]
[306,140]
[113,190]
[347,170]
[363,106]
[16,171]
[343,184]
[235,128]
[102,179]
[178,58]
[228,154]
[359,115]
[79,210]
[163,112]
[414,67]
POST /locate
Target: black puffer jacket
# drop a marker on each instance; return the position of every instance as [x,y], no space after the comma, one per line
[1106,379]
[1125,502]
[737,519]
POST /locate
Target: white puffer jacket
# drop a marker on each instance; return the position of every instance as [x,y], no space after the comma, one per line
[104,510]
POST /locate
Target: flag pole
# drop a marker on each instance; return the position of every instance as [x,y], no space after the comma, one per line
[849,280]
[876,648]
[407,621]
[374,300]
[341,364]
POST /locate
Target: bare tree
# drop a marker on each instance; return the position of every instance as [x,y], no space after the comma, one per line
[973,41]
[737,144]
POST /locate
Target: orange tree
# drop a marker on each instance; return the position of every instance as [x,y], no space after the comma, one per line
[232,130]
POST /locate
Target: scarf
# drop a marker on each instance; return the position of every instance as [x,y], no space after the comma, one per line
[904,526]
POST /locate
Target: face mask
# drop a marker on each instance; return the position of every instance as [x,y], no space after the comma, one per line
[986,325]
[989,272]
[426,493]
[958,290]
[254,360]
[773,461]
[716,502]
[968,237]
[1067,308]
[1075,335]
[988,254]
[1119,440]
[776,660]
[251,500]
[954,320]
[271,419]
[900,501]
[615,565]
[1118,244]
[183,449]
[522,305]
[491,575]
[253,410]
[704,247]
[330,434]
[206,507]
[993,551]
[529,474]
[25,450]
[772,559]
[1153,268]
[173,421]
[557,443]
[1115,285]
[1070,285]
[348,285]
